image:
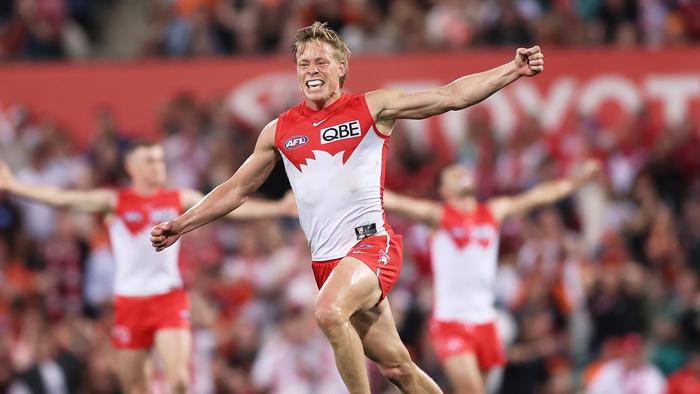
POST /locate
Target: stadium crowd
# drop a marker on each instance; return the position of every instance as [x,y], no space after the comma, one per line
[59,29]
[609,275]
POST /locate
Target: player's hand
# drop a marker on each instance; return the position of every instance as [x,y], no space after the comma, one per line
[165,234]
[529,61]
[6,177]
[590,170]
[288,205]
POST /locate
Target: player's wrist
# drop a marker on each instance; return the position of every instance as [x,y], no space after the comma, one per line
[180,225]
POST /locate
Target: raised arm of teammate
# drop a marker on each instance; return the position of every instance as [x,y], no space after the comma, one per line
[545,193]
[424,211]
[387,105]
[252,209]
[98,200]
[227,196]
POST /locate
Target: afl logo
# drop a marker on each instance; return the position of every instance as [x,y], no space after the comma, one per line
[296,142]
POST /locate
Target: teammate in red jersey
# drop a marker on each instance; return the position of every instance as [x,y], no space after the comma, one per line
[333,146]
[151,309]
[464,253]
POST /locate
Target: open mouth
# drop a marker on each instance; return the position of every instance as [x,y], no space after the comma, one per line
[314,84]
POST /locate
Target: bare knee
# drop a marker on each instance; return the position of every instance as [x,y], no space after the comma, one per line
[179,383]
[399,374]
[329,317]
[469,387]
[401,371]
[135,386]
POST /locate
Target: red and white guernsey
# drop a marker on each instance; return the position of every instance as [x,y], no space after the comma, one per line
[335,160]
[464,253]
[140,270]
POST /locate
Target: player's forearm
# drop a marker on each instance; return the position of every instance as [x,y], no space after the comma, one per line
[474,88]
[219,202]
[257,209]
[43,194]
[417,211]
[553,191]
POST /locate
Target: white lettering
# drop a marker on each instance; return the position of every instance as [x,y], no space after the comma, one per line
[549,110]
[675,92]
[609,87]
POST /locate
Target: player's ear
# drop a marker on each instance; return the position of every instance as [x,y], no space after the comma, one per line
[343,68]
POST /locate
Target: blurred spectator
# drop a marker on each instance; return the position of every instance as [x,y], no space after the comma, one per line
[297,358]
[630,374]
[57,29]
[687,379]
[570,304]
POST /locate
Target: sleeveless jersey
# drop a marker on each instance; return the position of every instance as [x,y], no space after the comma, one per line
[464,251]
[140,270]
[335,160]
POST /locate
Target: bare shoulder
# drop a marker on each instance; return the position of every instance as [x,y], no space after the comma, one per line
[266,139]
[377,100]
[499,207]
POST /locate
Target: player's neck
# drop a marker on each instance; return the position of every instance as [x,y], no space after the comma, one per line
[144,189]
[321,104]
[466,203]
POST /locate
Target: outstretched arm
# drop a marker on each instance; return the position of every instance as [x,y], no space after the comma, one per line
[388,105]
[99,201]
[543,194]
[227,196]
[252,209]
[423,211]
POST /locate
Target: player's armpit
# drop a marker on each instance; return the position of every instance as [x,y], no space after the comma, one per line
[424,211]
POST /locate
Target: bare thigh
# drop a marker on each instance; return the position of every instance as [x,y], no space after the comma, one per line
[380,338]
[464,374]
[131,367]
[174,346]
[351,287]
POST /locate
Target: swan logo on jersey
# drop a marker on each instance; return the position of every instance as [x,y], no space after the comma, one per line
[133,216]
[296,142]
[163,215]
[340,132]
[483,235]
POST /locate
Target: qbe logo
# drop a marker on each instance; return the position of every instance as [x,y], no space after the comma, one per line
[340,132]
[296,142]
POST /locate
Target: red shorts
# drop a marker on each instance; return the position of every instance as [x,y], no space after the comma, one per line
[381,253]
[137,319]
[453,338]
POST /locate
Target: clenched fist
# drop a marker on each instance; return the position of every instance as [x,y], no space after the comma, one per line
[529,61]
[165,234]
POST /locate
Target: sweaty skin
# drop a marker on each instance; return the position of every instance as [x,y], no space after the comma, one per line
[346,307]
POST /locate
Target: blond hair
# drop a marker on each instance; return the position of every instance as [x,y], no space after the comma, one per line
[320,32]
